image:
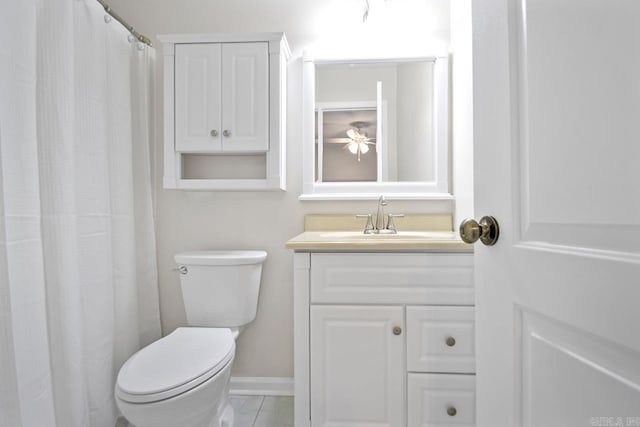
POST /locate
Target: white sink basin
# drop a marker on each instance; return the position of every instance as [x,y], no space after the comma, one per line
[400,235]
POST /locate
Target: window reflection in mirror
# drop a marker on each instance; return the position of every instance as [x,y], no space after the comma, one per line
[374,121]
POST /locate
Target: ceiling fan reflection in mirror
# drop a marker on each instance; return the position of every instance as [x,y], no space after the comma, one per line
[359,141]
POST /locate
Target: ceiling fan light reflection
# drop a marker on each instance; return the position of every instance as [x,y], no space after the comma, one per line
[363,148]
[353,148]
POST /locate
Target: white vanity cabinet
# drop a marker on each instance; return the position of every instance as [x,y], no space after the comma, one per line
[384,339]
[224,111]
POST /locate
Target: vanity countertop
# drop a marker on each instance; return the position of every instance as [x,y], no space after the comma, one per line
[336,232]
[349,240]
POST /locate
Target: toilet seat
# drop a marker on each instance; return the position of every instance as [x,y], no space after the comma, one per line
[175,364]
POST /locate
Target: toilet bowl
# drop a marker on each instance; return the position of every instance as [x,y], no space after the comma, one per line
[179,380]
[183,378]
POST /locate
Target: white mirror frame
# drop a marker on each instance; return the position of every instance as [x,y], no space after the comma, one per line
[437,189]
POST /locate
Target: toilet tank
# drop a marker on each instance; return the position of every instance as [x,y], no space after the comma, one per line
[220,288]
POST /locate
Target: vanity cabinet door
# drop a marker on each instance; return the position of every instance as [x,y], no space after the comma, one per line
[357,367]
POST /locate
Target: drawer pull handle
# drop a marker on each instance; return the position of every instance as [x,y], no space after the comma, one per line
[213,133]
[451,411]
[451,341]
[397,330]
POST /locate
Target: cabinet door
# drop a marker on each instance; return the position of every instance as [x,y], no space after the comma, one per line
[357,369]
[197,98]
[245,92]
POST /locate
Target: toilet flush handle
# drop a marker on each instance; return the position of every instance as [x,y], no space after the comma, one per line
[182,269]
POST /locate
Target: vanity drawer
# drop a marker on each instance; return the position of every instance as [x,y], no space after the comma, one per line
[435,400]
[441,339]
[388,278]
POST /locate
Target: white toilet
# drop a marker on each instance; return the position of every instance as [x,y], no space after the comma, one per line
[183,378]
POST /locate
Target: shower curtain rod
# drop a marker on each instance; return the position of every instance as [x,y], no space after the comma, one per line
[141,37]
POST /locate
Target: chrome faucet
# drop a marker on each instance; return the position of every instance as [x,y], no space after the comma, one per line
[382,202]
[380,227]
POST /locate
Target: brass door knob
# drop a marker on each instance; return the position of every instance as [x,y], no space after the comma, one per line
[451,341]
[487,230]
[397,330]
[451,411]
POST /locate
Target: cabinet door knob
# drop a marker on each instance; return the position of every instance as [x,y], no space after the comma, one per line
[226,133]
[451,341]
[451,411]
[213,133]
[397,330]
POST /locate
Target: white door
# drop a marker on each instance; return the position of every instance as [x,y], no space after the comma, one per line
[245,117]
[357,366]
[198,98]
[557,162]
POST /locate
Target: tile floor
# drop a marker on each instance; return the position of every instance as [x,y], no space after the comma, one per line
[262,411]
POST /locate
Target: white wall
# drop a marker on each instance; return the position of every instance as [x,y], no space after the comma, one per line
[462,109]
[212,220]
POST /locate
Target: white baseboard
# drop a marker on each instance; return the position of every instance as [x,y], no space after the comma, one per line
[261,386]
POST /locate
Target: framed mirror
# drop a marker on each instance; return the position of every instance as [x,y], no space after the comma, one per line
[375,126]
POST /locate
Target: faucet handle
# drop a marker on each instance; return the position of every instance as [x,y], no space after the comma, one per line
[390,224]
[368,229]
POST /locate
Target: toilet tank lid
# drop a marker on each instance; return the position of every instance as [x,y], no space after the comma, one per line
[230,257]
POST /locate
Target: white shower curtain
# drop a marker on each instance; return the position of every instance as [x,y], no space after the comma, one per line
[78,285]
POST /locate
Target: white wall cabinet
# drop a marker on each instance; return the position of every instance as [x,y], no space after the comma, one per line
[384,339]
[224,111]
[222,97]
